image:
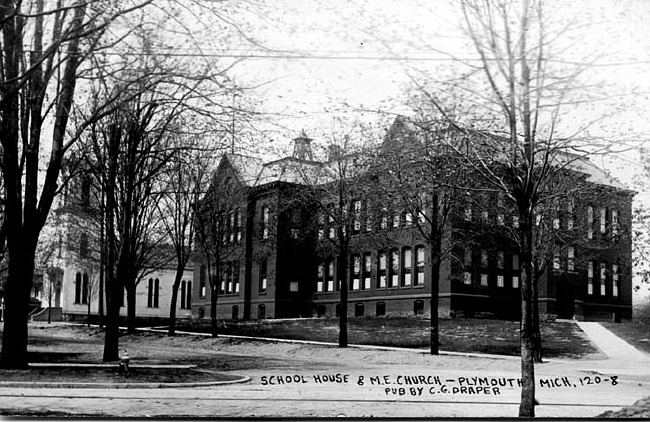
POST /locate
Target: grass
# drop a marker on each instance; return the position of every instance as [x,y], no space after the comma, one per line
[112,375]
[636,332]
[456,335]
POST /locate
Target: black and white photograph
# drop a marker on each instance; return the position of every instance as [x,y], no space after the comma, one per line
[315,209]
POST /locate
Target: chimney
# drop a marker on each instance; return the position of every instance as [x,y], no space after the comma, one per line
[302,147]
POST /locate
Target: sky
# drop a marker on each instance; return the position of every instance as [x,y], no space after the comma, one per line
[311,63]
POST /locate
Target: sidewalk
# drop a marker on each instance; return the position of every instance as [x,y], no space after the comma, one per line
[610,344]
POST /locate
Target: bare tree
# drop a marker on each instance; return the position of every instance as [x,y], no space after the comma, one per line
[219,233]
[186,176]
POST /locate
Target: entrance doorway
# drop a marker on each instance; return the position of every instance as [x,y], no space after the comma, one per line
[565,300]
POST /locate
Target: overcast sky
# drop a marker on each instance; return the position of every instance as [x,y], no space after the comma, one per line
[312,60]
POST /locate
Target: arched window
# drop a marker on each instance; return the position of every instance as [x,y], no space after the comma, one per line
[394,268]
[188,297]
[202,282]
[261,311]
[77,288]
[84,291]
[183,294]
[407,264]
[150,293]
[156,292]
[381,308]
[359,310]
[381,274]
[419,266]
[418,307]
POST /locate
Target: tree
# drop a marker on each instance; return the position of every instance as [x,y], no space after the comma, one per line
[219,231]
[340,190]
[429,183]
[186,176]
[511,108]
[44,49]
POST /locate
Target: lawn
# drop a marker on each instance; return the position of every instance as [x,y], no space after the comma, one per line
[559,339]
[636,332]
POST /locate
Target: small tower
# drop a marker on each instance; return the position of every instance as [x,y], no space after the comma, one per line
[302,147]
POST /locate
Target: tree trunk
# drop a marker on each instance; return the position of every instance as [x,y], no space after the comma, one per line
[527,404]
[172,306]
[16,314]
[537,334]
[342,270]
[435,242]
[214,295]
[130,307]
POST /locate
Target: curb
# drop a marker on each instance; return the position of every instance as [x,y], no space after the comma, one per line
[148,385]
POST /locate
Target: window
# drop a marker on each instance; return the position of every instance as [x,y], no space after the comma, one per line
[484,266]
[235,276]
[186,294]
[265,222]
[500,207]
[500,282]
[85,289]
[590,278]
[321,226]
[484,258]
[77,288]
[570,212]
[321,278]
[381,281]
[356,223]
[603,279]
[156,293]
[331,229]
[380,309]
[201,312]
[408,219]
[515,271]
[614,223]
[615,280]
[356,272]
[330,276]
[367,268]
[202,282]
[293,286]
[397,219]
[556,261]
[500,260]
[467,277]
[407,266]
[231,227]
[83,245]
[263,276]
[590,222]
[571,258]
[183,294]
[238,224]
[419,269]
[418,307]
[603,220]
[394,268]
[467,264]
[235,312]
[515,221]
[383,221]
[261,311]
[359,310]
[150,293]
[229,287]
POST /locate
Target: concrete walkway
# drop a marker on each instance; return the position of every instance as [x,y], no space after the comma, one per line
[611,345]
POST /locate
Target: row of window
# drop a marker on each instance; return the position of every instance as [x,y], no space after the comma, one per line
[81,288]
[607,283]
[380,309]
[395,268]
[229,281]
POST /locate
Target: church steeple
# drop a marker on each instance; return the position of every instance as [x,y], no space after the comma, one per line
[302,147]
